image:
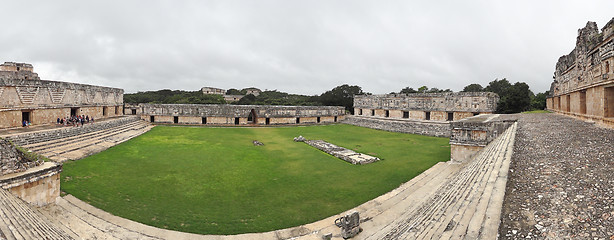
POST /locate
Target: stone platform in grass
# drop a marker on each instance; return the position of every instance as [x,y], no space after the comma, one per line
[342,153]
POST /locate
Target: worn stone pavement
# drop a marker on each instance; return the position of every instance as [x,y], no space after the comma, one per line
[561,180]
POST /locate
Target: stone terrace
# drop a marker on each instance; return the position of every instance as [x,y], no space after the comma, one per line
[561,180]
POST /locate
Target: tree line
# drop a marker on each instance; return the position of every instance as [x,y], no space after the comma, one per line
[514,98]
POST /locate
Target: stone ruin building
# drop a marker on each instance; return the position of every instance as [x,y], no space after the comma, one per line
[211,114]
[583,83]
[421,113]
[24,97]
[227,97]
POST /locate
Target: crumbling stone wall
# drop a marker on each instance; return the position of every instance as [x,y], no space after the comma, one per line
[236,114]
[14,161]
[22,71]
[583,79]
[426,106]
[468,136]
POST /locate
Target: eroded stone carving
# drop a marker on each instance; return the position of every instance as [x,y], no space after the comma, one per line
[349,224]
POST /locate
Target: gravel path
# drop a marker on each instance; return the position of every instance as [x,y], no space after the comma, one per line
[561,180]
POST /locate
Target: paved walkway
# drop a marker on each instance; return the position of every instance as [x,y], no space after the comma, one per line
[561,180]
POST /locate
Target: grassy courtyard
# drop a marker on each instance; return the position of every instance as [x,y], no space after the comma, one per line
[215,181]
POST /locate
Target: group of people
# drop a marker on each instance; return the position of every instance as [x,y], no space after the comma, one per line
[75,120]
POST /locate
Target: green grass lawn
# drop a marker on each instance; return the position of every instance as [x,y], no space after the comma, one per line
[215,181]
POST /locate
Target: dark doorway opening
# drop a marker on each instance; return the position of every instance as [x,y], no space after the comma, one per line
[105,110]
[268,121]
[133,111]
[318,119]
[74,111]
[236,121]
[427,115]
[372,112]
[298,120]
[450,116]
[253,117]
[25,116]
[152,119]
[387,113]
[609,102]
[583,102]
[360,111]
[204,120]
[476,113]
[335,118]
[568,106]
[405,114]
[116,110]
[175,119]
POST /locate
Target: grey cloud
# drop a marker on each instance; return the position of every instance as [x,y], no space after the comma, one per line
[302,47]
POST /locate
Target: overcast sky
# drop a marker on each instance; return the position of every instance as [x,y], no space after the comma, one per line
[304,47]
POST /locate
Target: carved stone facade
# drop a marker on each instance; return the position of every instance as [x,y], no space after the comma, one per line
[426,106]
[583,83]
[235,114]
[24,97]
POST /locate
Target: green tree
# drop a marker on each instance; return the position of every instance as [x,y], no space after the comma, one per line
[474,87]
[408,90]
[423,89]
[512,98]
[233,91]
[539,101]
[341,96]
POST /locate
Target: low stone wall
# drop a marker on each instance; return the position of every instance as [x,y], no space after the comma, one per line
[429,128]
[470,135]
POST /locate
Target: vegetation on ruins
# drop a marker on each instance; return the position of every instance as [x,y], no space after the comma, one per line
[173,96]
[513,98]
[215,181]
[423,89]
[339,96]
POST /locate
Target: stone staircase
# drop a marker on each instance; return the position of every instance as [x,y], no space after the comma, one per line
[78,142]
[19,221]
[464,205]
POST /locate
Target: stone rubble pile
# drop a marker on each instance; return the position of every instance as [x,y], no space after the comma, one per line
[342,153]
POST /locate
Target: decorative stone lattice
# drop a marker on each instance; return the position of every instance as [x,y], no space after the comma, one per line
[57,94]
[27,94]
[342,153]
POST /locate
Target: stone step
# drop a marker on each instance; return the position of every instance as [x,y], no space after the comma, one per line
[81,149]
[44,147]
[23,222]
[51,141]
[457,208]
[29,138]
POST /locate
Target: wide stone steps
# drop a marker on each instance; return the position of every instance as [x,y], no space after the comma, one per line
[20,221]
[78,142]
[87,146]
[465,206]
[42,146]
[23,139]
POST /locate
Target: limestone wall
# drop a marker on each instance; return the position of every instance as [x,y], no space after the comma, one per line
[38,186]
[429,128]
[583,83]
[236,114]
[470,135]
[445,102]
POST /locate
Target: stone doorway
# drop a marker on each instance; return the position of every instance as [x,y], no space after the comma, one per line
[74,111]
[253,117]
[26,116]
[609,102]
